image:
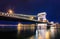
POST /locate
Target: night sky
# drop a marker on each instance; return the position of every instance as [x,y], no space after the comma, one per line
[32,7]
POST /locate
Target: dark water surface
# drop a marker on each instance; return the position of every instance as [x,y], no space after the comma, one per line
[10,33]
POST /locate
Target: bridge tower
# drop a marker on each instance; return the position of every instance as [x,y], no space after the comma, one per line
[41,27]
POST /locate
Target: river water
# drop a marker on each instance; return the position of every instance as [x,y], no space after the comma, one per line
[11,33]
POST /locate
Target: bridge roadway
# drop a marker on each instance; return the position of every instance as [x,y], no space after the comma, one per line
[18,17]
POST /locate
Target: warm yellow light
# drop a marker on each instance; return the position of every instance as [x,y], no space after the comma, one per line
[48,34]
[19,27]
[45,20]
[40,37]
[31,18]
[10,11]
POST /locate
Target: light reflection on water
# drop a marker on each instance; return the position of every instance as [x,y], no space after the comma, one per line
[52,33]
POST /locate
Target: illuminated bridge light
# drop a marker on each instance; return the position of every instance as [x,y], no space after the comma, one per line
[5,14]
[31,17]
[10,11]
[2,13]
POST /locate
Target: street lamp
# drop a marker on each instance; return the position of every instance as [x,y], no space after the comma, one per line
[10,11]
